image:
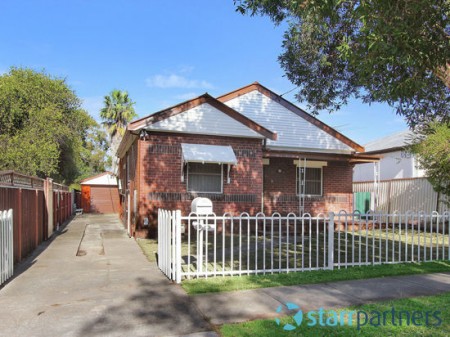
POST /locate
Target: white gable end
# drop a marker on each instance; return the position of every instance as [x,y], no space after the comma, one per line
[206,120]
[104,179]
[294,132]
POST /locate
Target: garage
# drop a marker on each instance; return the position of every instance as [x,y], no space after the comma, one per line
[99,194]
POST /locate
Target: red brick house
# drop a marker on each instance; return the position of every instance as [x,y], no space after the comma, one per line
[248,151]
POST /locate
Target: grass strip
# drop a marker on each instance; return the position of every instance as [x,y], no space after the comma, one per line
[149,248]
[438,305]
[221,284]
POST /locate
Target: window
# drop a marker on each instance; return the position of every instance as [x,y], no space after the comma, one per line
[312,178]
[205,178]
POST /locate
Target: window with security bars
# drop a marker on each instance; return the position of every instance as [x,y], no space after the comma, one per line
[312,179]
[206,178]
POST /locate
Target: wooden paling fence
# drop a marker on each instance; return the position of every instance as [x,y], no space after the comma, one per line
[40,206]
[402,195]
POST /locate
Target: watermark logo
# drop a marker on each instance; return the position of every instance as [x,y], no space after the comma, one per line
[297,317]
[355,318]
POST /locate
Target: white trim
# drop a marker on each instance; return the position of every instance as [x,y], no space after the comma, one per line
[207,133]
[304,149]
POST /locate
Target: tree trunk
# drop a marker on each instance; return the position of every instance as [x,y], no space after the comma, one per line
[115,142]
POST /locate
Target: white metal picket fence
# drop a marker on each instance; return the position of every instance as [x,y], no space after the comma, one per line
[207,246]
[6,245]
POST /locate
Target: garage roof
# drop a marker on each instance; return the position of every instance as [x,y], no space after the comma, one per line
[105,178]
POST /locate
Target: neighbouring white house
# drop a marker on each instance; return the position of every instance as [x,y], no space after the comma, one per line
[396,161]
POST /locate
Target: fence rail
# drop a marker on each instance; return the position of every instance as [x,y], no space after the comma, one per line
[12,178]
[208,246]
[6,245]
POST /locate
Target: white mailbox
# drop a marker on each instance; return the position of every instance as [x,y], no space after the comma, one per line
[201,206]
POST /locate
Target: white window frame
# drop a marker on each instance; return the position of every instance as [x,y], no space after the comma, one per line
[221,179]
[299,192]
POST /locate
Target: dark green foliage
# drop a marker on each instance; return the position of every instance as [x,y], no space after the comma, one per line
[43,130]
[380,51]
[432,148]
[117,112]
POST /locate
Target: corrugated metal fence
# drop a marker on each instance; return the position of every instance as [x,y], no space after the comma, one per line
[31,198]
[402,195]
[6,245]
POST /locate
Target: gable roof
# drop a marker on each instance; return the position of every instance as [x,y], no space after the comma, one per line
[236,94]
[392,142]
[105,178]
[193,103]
[285,126]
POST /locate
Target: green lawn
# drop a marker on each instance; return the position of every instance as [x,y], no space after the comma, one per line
[219,284]
[149,248]
[436,305]
[230,283]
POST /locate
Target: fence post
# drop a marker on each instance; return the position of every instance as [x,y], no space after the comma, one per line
[48,193]
[158,260]
[36,218]
[331,241]
[10,216]
[19,224]
[178,246]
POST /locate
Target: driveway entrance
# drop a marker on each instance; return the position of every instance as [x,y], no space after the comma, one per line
[92,280]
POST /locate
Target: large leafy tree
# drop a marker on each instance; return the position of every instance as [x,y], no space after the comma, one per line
[380,51]
[117,112]
[94,152]
[42,125]
[431,145]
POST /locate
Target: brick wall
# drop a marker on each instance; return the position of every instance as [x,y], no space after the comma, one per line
[159,183]
[280,188]
[161,170]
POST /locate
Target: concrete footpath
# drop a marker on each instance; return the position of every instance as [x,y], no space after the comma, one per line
[92,280]
[231,307]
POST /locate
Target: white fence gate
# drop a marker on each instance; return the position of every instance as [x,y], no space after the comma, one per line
[6,245]
[205,246]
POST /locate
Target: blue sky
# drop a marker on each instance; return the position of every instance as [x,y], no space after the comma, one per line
[161,52]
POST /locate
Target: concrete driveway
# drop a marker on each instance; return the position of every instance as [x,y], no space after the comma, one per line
[92,280]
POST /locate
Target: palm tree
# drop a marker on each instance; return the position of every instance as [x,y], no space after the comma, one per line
[118,110]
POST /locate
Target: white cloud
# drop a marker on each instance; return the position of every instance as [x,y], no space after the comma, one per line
[186,96]
[184,69]
[176,81]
